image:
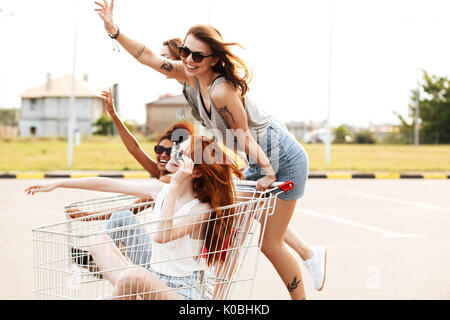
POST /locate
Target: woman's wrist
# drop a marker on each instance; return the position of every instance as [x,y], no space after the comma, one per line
[112,30]
[114,115]
[268,170]
[58,184]
[271,175]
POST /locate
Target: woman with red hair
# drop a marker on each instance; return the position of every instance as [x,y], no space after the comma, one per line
[179,231]
[220,80]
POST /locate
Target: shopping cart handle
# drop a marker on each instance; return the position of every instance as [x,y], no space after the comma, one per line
[283,186]
[286,186]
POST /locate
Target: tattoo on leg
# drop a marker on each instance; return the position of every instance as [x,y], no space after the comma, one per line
[294,284]
[226,115]
[167,66]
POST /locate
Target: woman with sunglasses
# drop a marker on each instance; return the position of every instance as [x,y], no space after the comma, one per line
[162,148]
[170,50]
[186,218]
[220,80]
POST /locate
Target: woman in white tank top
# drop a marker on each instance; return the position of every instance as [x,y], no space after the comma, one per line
[193,188]
[205,58]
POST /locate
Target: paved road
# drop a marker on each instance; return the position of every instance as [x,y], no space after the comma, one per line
[386,239]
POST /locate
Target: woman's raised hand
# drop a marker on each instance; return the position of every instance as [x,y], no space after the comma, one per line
[44,186]
[109,102]
[105,11]
[184,170]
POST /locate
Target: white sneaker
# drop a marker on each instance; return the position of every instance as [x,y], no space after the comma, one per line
[317,266]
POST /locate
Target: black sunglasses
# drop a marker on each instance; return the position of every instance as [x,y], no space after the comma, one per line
[161,149]
[196,56]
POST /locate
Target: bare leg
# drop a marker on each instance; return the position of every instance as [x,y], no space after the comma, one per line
[108,257]
[130,281]
[275,250]
[294,241]
[138,283]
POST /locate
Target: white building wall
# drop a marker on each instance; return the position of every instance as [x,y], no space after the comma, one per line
[50,116]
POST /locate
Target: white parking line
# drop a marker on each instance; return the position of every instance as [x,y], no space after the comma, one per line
[383,232]
[399,201]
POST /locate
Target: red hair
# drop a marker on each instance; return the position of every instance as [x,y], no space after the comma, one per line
[180,128]
[214,185]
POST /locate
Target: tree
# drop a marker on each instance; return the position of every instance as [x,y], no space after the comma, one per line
[365,136]
[105,125]
[434,111]
[342,134]
[9,116]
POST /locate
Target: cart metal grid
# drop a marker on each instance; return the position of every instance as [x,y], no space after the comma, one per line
[65,265]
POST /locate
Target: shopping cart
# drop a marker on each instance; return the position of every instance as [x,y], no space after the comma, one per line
[65,267]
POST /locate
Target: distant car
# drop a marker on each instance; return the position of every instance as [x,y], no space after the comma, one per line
[317,136]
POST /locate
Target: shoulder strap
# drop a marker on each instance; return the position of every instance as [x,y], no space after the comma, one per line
[188,91]
[216,81]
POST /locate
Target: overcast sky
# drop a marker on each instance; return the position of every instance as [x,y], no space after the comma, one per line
[378,48]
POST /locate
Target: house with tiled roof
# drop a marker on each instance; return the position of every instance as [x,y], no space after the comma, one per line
[45,108]
[164,112]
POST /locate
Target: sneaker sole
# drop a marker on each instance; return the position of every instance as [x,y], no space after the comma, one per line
[324,271]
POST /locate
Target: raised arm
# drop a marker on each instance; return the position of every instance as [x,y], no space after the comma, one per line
[171,69]
[129,140]
[147,189]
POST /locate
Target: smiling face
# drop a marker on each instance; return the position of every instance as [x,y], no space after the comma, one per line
[163,158]
[193,68]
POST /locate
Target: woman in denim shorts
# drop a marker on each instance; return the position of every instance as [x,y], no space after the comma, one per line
[288,158]
[220,80]
[180,228]
[137,243]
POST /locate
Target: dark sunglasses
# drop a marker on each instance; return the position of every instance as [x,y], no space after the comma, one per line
[196,56]
[161,149]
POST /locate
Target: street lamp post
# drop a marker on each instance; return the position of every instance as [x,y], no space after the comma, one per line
[72,110]
[7,14]
[416,117]
[209,10]
[328,128]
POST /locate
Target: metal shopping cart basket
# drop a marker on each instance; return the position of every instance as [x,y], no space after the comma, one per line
[65,265]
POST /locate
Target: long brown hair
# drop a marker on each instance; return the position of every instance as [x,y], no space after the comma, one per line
[173,45]
[233,68]
[215,185]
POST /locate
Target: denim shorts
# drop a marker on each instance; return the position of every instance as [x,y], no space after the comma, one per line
[139,251]
[287,157]
[186,287]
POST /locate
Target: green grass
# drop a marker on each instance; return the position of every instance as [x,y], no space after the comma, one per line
[97,153]
[380,158]
[106,153]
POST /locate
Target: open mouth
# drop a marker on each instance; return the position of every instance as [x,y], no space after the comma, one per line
[163,161]
[190,67]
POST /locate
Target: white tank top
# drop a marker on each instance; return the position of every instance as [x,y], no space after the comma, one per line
[175,258]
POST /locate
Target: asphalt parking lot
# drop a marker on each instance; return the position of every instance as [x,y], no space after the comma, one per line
[386,239]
